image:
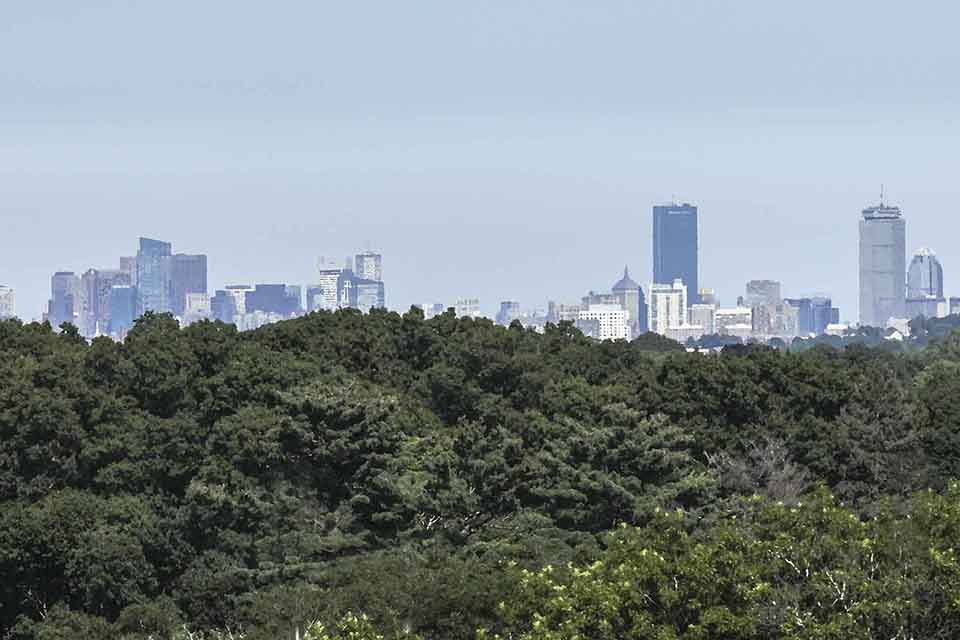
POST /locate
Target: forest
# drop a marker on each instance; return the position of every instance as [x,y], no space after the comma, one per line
[381,476]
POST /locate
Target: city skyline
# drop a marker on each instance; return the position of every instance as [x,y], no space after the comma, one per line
[543,131]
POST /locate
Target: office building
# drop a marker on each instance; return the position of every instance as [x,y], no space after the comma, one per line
[736,321]
[123,309]
[188,274]
[676,246]
[368,294]
[153,276]
[223,306]
[278,299]
[559,312]
[925,276]
[467,308]
[763,292]
[326,291]
[369,266]
[8,302]
[704,316]
[883,257]
[630,296]
[708,296]
[666,306]
[605,322]
[814,314]
[128,264]
[239,292]
[778,320]
[197,308]
[509,311]
[431,309]
[64,305]
[929,307]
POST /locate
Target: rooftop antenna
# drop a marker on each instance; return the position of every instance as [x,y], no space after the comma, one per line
[881,194]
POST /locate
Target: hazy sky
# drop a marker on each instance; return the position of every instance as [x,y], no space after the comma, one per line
[500,150]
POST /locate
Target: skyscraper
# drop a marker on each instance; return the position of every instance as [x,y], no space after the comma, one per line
[676,246]
[883,257]
[64,302]
[763,292]
[188,274]
[369,266]
[8,302]
[153,276]
[666,306]
[325,294]
[925,277]
[123,308]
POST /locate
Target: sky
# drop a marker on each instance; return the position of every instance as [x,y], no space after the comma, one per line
[501,150]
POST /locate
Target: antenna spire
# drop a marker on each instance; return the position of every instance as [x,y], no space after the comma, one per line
[881,194]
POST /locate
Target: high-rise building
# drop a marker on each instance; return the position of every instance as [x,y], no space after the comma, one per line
[8,302]
[610,321]
[509,311]
[123,309]
[814,314]
[763,292]
[883,257]
[925,277]
[559,312]
[223,306]
[279,299]
[775,320]
[128,264]
[368,294]
[666,306]
[369,266]
[239,292]
[704,316]
[154,276]
[326,292]
[468,308]
[188,274]
[737,321]
[64,305]
[630,296]
[676,246]
[197,308]
[431,309]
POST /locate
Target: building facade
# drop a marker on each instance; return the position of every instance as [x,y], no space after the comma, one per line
[153,276]
[610,321]
[8,302]
[188,275]
[666,306]
[65,303]
[369,266]
[925,276]
[676,246]
[883,257]
[763,292]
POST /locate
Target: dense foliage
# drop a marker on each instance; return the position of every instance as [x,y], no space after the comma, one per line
[357,476]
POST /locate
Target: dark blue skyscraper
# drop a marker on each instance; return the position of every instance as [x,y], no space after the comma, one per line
[675,247]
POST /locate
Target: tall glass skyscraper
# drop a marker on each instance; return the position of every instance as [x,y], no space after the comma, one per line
[883,265]
[153,276]
[925,278]
[676,246]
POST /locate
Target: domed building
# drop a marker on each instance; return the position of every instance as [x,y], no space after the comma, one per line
[630,296]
